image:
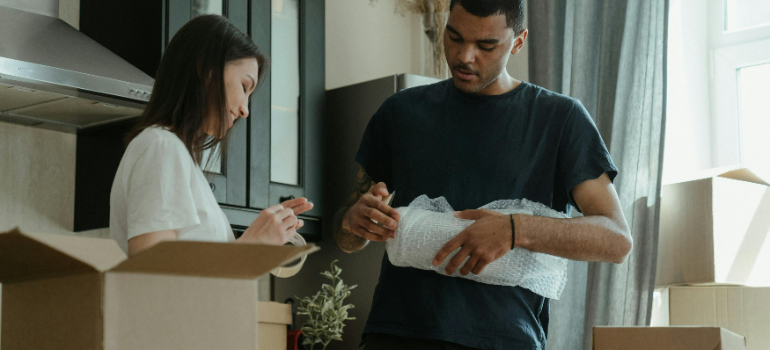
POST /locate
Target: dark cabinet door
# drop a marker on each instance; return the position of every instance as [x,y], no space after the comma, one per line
[289,106]
[227,177]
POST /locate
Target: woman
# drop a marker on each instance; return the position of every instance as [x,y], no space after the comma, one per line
[202,89]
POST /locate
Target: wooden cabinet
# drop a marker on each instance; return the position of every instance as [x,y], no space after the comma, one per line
[138,31]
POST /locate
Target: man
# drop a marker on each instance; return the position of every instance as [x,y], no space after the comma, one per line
[473,139]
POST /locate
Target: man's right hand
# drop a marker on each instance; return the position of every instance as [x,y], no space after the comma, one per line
[370,207]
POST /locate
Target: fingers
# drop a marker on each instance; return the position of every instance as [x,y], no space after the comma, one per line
[291,203]
[383,208]
[299,205]
[365,227]
[470,264]
[472,214]
[302,208]
[283,214]
[300,224]
[289,222]
[457,260]
[483,262]
[364,233]
[380,189]
[379,216]
[274,209]
[448,248]
[288,234]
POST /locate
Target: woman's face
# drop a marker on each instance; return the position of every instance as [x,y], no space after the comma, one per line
[240,81]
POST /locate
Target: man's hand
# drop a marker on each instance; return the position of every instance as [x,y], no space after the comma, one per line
[485,241]
[371,207]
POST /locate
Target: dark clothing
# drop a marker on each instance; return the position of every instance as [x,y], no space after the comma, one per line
[435,140]
[378,341]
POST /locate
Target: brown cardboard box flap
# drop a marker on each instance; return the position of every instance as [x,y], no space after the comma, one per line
[26,256]
[666,338]
[272,312]
[735,172]
[744,174]
[206,259]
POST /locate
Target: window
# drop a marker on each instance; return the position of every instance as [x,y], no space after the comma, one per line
[754,114]
[718,109]
[285,90]
[743,14]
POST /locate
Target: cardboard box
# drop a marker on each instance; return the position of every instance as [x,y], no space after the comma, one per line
[743,310]
[715,231]
[273,319]
[82,293]
[666,338]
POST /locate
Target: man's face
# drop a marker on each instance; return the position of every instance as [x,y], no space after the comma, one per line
[477,48]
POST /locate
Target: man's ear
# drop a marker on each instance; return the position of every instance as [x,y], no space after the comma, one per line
[518,42]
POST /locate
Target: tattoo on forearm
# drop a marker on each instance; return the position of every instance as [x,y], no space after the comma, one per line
[347,240]
[363,184]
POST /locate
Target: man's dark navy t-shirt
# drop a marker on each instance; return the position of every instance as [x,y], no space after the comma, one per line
[435,140]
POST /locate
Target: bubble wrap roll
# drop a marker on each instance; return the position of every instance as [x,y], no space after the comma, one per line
[427,224]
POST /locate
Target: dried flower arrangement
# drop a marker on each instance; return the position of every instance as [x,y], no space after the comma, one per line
[434,16]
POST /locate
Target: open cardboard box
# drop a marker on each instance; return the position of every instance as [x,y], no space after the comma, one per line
[714,230]
[666,338]
[743,310]
[65,292]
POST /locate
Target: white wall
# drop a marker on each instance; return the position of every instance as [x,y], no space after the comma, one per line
[688,146]
[365,42]
[44,7]
[37,181]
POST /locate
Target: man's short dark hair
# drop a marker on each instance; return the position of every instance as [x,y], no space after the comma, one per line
[513,10]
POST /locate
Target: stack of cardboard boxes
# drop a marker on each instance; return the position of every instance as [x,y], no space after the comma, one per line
[714,256]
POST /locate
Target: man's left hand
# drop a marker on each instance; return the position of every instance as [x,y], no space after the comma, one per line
[485,241]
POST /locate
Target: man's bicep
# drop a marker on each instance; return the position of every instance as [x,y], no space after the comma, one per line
[598,197]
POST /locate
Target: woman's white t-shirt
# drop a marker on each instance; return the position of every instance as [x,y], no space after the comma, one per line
[158,187]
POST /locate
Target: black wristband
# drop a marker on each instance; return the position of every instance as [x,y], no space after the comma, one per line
[513,233]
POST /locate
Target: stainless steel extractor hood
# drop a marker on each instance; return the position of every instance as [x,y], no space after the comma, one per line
[53,76]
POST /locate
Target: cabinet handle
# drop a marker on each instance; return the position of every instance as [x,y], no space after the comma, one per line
[286,198]
[213,186]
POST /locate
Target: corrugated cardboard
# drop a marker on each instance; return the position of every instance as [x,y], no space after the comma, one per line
[715,231]
[273,319]
[82,293]
[666,338]
[743,310]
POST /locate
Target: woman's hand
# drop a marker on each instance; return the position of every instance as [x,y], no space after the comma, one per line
[276,224]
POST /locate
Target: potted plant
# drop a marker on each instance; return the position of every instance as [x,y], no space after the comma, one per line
[325,310]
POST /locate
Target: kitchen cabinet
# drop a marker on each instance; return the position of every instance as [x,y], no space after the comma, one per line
[273,155]
[267,186]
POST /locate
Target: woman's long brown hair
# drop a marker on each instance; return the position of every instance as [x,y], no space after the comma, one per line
[189,86]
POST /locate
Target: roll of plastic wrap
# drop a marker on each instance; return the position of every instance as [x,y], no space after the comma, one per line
[427,224]
[288,271]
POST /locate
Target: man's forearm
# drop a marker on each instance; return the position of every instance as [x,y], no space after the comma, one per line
[589,238]
[347,240]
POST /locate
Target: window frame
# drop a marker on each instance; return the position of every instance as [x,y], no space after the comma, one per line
[730,51]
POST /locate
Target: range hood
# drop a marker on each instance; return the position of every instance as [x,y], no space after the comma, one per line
[53,76]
